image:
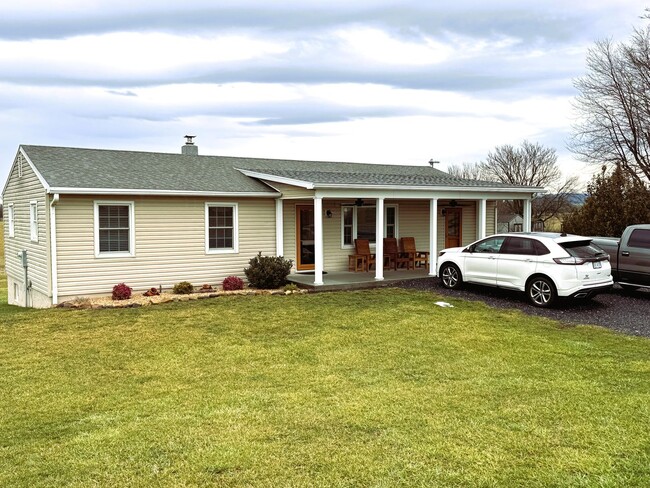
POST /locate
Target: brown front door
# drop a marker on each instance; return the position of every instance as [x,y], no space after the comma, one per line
[305,252]
[453,227]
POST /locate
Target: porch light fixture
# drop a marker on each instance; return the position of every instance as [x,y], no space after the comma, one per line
[328,214]
[453,203]
[358,202]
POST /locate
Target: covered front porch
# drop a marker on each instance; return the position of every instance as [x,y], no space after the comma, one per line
[318,231]
[349,280]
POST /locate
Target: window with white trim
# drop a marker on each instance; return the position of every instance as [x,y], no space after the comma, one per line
[221,232]
[114,229]
[11,216]
[361,222]
[33,220]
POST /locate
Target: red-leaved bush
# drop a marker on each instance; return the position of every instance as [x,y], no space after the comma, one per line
[233,283]
[121,292]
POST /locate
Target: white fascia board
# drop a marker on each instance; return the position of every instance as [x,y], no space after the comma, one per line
[474,189]
[425,194]
[277,179]
[134,191]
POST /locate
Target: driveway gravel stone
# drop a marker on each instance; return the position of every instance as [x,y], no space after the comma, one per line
[618,310]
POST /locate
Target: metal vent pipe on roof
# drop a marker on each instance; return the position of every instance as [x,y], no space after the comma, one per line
[189,148]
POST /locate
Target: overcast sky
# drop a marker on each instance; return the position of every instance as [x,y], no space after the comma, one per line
[397,82]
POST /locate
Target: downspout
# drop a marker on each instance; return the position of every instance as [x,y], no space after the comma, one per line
[53,258]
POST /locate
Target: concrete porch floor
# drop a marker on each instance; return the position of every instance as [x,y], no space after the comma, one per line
[349,280]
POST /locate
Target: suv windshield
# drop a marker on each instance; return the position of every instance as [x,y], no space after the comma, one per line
[584,249]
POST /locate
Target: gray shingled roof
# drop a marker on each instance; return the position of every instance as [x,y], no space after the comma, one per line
[64,167]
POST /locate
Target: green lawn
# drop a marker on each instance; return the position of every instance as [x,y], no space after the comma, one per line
[372,388]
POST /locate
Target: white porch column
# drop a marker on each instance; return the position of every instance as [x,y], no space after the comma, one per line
[528,210]
[379,238]
[279,228]
[482,218]
[433,236]
[318,241]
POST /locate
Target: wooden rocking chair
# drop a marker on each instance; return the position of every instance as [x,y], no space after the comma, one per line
[362,248]
[397,259]
[418,258]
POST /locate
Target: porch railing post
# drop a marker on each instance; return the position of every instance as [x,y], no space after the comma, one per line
[528,210]
[433,236]
[318,241]
[482,218]
[379,238]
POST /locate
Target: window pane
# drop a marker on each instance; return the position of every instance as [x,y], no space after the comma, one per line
[348,213]
[390,216]
[366,223]
[221,227]
[113,228]
[640,238]
[347,235]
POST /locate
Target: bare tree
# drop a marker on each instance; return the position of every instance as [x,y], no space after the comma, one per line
[467,171]
[529,165]
[614,106]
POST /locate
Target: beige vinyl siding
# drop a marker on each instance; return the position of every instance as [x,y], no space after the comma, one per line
[20,191]
[291,192]
[490,221]
[470,223]
[169,244]
[289,236]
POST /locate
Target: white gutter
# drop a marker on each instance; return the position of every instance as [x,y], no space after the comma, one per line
[135,191]
[53,256]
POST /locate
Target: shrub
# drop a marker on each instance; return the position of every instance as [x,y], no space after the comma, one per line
[122,292]
[183,288]
[206,287]
[268,272]
[233,283]
[292,287]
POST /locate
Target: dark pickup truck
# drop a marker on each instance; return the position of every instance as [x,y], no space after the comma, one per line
[629,256]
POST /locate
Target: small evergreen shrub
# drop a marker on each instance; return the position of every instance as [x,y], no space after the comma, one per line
[292,287]
[233,283]
[268,272]
[122,292]
[183,288]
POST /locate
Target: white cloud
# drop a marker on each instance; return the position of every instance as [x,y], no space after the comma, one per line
[130,54]
[379,46]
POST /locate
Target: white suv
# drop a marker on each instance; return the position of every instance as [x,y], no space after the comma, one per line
[544,265]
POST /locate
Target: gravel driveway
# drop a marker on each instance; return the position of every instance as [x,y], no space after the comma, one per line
[618,310]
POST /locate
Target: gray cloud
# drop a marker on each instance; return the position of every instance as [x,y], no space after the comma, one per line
[406,18]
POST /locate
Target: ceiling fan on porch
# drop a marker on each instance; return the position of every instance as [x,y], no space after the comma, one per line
[359,202]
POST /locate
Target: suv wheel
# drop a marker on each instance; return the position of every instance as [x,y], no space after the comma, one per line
[450,276]
[541,291]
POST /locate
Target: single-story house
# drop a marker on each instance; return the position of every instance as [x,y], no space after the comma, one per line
[79,221]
